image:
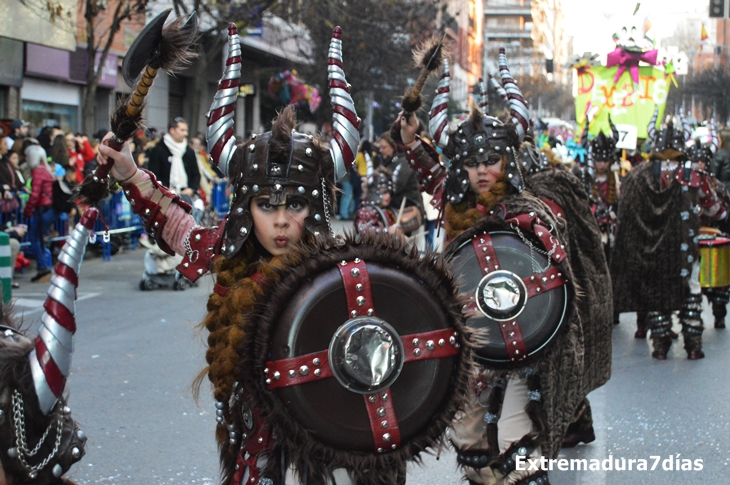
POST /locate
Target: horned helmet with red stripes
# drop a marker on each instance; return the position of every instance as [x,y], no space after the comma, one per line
[282,162]
[481,134]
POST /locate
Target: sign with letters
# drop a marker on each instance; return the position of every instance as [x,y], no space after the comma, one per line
[626,102]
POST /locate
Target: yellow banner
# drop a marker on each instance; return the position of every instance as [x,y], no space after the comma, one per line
[627,103]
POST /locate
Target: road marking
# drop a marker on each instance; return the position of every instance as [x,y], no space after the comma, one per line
[29,306]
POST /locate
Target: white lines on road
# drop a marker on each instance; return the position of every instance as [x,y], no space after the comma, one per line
[30,303]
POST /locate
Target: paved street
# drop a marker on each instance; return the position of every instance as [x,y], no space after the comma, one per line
[137,354]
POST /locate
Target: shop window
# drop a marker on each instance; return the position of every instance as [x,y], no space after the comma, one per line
[41,114]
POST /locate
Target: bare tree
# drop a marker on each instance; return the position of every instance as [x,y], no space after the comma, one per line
[103,19]
[377,42]
[214,19]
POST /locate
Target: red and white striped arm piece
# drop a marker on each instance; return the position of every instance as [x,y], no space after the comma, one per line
[498,87]
[50,361]
[483,97]
[517,104]
[345,123]
[219,134]
[438,118]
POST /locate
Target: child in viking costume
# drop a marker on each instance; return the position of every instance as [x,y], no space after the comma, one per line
[520,406]
[713,245]
[276,235]
[375,212]
[657,239]
[39,440]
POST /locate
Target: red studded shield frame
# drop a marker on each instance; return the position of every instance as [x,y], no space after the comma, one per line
[315,366]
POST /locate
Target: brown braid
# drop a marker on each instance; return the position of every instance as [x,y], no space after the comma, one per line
[462,217]
[227,316]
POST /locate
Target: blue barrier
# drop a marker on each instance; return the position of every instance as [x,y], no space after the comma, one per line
[117,214]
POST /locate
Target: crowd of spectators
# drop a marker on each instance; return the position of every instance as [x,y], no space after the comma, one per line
[39,170]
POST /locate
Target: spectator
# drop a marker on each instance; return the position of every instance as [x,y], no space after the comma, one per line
[63,191]
[59,152]
[16,233]
[79,153]
[18,132]
[11,183]
[40,208]
[173,162]
[405,182]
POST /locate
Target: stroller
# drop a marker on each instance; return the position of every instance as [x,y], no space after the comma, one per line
[159,270]
[159,267]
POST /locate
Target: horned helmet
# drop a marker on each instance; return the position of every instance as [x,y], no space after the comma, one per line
[281,162]
[481,134]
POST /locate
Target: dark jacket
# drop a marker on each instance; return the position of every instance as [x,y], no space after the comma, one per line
[10,177]
[405,182]
[160,160]
[62,193]
[721,167]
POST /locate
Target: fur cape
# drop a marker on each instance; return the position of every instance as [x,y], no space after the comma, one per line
[561,367]
[655,241]
[594,303]
[313,459]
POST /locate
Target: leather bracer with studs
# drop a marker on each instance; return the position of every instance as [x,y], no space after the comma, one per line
[153,210]
[202,245]
[424,160]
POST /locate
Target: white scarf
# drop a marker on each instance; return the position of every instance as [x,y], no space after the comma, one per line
[178,175]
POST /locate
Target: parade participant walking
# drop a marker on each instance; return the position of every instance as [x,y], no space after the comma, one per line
[527,403]
[656,268]
[713,244]
[284,182]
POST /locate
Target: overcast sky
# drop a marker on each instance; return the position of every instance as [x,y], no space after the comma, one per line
[592,22]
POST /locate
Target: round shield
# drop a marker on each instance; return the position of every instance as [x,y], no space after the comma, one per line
[363,346]
[373,218]
[515,293]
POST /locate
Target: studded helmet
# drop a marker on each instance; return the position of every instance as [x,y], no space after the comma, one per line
[705,152]
[282,162]
[480,135]
[669,143]
[603,148]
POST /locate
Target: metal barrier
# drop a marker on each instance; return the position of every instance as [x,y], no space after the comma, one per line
[117,214]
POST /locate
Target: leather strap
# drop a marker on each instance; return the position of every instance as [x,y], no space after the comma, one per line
[547,280]
[383,421]
[437,344]
[554,208]
[530,222]
[356,279]
[315,366]
[513,341]
[484,249]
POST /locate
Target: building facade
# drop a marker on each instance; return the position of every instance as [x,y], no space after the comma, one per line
[531,31]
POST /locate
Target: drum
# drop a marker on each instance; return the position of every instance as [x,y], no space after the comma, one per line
[714,261]
[516,294]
